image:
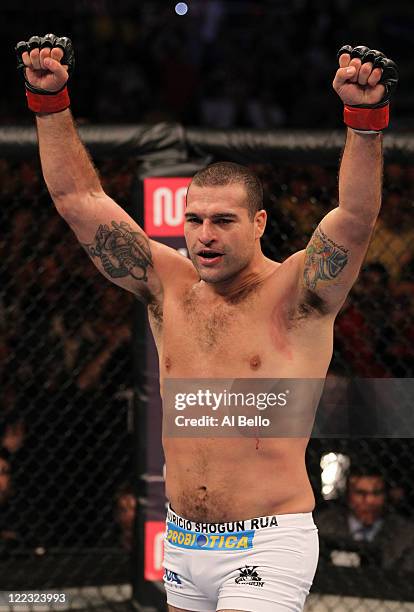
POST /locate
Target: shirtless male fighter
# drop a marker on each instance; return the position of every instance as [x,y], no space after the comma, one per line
[228,312]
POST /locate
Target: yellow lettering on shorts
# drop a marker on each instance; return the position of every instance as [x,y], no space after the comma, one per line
[213,539]
[231,541]
[243,542]
[187,539]
[174,536]
[180,538]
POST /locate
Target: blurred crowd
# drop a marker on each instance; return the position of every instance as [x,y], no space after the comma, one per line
[367,343]
[66,334]
[362,528]
[265,64]
[66,370]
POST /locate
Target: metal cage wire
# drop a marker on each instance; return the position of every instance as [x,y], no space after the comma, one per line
[67,375]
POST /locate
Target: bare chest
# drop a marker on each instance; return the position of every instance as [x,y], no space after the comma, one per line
[239,338]
[212,326]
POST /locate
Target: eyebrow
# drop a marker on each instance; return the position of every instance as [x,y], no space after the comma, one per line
[215,217]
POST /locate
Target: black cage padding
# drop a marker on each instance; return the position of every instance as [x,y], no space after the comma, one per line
[175,143]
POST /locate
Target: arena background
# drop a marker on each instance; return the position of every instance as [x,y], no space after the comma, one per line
[79,427]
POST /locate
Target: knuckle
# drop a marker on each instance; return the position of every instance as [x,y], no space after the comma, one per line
[48,41]
[367,67]
[57,53]
[359,51]
[21,47]
[34,42]
[344,50]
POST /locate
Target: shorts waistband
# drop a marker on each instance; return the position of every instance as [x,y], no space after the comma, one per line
[300,520]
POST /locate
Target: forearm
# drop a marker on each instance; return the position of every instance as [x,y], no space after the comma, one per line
[67,168]
[360,176]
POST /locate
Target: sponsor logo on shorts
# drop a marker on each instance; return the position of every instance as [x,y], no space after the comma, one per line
[226,541]
[248,575]
[172,578]
[232,526]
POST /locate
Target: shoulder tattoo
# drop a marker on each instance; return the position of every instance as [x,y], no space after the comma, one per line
[122,251]
[324,259]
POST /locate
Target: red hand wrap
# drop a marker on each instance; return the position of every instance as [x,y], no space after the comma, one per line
[53,103]
[367,118]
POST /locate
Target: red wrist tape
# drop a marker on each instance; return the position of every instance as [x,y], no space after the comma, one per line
[54,103]
[367,118]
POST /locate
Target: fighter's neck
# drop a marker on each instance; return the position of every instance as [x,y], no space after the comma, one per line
[249,278]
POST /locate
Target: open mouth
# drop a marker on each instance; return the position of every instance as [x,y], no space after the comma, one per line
[209,258]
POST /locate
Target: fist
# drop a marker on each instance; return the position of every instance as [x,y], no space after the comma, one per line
[357,82]
[46,62]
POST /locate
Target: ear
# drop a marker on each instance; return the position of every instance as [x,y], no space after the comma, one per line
[260,219]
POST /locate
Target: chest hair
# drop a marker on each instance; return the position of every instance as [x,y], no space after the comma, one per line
[212,323]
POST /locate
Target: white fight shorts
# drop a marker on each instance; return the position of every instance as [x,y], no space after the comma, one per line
[264,564]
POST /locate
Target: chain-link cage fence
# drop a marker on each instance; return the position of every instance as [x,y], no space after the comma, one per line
[67,495]
[373,339]
[67,500]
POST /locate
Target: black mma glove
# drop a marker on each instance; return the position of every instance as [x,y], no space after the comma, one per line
[371,117]
[41,100]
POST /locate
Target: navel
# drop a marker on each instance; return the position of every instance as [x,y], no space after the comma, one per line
[167,363]
[202,491]
[255,362]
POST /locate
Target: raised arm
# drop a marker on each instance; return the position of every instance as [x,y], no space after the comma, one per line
[338,246]
[116,244]
[118,247]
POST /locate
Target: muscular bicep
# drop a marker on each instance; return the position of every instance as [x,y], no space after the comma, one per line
[123,254]
[332,260]
[119,248]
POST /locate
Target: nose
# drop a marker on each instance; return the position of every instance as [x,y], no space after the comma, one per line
[206,235]
[370,502]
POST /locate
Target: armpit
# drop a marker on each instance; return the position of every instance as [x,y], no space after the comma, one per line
[156,312]
[311,303]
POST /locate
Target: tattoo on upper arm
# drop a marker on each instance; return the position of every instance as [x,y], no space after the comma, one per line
[122,251]
[324,259]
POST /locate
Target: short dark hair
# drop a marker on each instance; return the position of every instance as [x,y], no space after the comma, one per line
[226,173]
[360,470]
[366,470]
